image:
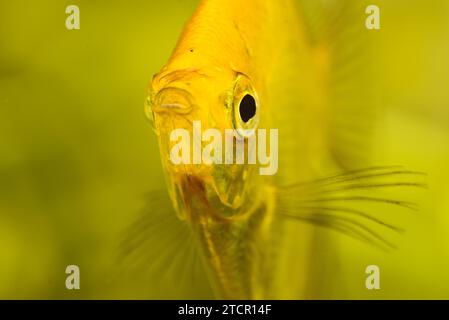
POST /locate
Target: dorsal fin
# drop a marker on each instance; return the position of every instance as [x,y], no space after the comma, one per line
[337,31]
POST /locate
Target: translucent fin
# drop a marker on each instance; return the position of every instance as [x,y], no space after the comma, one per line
[345,52]
[341,202]
[323,96]
[159,250]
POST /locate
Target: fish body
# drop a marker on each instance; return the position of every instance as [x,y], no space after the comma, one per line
[271,51]
[231,208]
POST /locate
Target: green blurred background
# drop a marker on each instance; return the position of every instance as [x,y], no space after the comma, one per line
[77,155]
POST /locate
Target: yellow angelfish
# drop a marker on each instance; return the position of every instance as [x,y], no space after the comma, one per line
[301,67]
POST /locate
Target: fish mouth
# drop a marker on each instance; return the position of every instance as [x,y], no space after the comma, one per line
[191,196]
[195,196]
[219,186]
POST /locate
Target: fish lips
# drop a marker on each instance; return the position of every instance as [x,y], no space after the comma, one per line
[221,193]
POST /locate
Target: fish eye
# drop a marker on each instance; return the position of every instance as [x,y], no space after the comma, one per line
[245,107]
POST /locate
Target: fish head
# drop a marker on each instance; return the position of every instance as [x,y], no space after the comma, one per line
[194,112]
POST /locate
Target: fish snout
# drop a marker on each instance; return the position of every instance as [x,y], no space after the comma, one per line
[173,100]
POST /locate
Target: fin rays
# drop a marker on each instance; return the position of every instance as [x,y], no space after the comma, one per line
[160,245]
[319,202]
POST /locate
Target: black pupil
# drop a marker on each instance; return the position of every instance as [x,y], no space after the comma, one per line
[247,108]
